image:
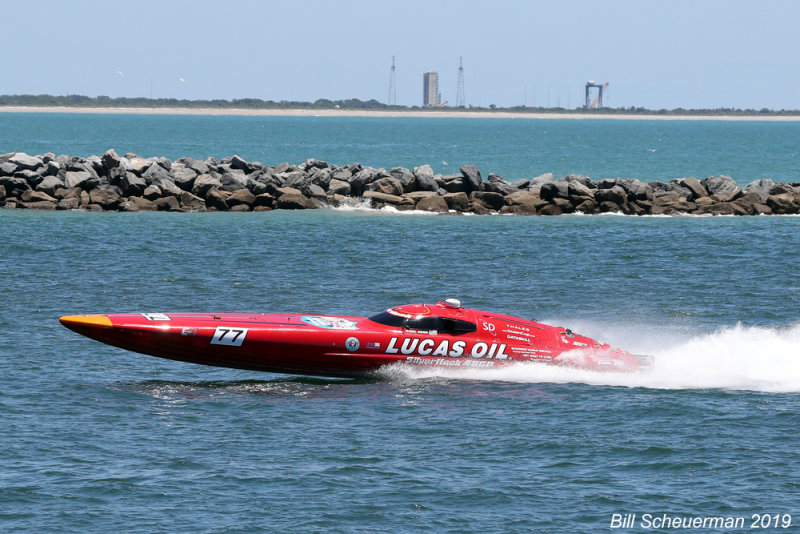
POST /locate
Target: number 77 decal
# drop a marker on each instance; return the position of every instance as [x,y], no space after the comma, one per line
[227,335]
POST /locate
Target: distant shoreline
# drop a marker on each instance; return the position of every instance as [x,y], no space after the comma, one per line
[384,114]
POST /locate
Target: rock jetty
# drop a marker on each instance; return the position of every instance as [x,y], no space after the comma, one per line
[130,183]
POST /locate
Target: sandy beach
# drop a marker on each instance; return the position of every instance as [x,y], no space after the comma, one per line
[371,113]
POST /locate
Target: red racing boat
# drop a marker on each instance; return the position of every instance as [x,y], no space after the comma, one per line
[444,335]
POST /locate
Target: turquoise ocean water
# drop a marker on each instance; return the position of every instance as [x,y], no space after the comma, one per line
[95,439]
[514,148]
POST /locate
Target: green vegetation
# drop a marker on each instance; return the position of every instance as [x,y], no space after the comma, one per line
[80,101]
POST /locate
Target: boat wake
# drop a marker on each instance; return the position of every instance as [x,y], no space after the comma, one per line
[737,358]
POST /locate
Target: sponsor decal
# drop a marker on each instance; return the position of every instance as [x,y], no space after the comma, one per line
[352,344]
[229,335]
[375,346]
[532,353]
[456,349]
[520,333]
[445,362]
[188,331]
[488,327]
[517,331]
[335,323]
[156,317]
[422,332]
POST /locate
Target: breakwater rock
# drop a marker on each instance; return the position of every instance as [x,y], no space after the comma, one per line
[131,183]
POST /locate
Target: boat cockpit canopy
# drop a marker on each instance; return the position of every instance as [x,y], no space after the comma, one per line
[442,325]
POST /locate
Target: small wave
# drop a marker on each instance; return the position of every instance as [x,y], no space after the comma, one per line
[365,205]
[394,211]
[353,204]
[284,387]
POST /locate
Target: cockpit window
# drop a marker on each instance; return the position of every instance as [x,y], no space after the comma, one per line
[388,319]
[443,325]
[457,326]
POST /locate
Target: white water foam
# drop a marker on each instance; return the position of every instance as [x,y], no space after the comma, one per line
[737,358]
[353,204]
[365,206]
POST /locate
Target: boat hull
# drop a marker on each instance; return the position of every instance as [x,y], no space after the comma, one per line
[343,346]
[280,344]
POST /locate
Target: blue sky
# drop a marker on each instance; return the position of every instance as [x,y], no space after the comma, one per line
[666,54]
